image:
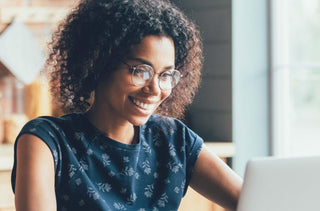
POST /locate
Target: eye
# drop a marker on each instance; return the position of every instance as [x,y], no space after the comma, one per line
[139,70]
[166,75]
[144,72]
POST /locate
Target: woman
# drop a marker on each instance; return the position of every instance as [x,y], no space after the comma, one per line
[113,65]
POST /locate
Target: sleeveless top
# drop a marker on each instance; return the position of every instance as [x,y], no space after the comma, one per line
[94,172]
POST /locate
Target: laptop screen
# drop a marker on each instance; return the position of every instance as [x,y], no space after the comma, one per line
[281,184]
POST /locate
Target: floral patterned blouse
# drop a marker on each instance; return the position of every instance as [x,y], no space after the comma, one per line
[94,172]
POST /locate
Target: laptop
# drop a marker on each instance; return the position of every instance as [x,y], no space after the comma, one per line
[281,184]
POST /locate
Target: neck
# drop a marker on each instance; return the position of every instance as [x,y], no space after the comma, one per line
[123,132]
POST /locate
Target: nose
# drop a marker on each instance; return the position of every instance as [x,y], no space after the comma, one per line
[153,87]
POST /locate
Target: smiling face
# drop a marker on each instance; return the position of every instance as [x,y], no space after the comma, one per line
[119,100]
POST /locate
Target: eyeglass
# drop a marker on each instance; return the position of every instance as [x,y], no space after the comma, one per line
[142,74]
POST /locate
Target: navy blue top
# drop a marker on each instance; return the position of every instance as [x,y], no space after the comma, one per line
[94,172]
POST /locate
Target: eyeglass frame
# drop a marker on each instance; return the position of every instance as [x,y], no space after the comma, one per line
[132,69]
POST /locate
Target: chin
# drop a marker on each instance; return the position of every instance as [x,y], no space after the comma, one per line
[138,121]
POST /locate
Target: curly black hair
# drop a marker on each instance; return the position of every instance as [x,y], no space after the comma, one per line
[90,41]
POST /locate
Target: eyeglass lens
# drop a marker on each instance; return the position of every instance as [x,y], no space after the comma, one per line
[142,74]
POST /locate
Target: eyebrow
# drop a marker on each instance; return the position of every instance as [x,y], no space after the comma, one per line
[148,63]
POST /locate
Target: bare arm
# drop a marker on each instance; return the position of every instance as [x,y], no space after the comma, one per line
[215,180]
[34,188]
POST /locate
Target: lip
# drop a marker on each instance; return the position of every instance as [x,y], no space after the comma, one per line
[144,105]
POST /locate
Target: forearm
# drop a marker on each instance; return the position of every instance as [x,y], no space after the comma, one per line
[216,181]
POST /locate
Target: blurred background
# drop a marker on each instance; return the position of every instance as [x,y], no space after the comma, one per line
[260,90]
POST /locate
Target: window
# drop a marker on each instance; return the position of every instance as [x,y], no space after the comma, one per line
[296,77]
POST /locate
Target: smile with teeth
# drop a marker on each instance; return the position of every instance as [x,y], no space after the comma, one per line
[143,105]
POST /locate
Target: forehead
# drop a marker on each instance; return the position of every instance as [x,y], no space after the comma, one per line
[154,49]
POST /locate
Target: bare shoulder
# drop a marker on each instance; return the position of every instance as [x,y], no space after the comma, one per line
[34,185]
[33,153]
[30,145]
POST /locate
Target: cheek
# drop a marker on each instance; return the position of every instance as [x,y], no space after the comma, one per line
[165,94]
